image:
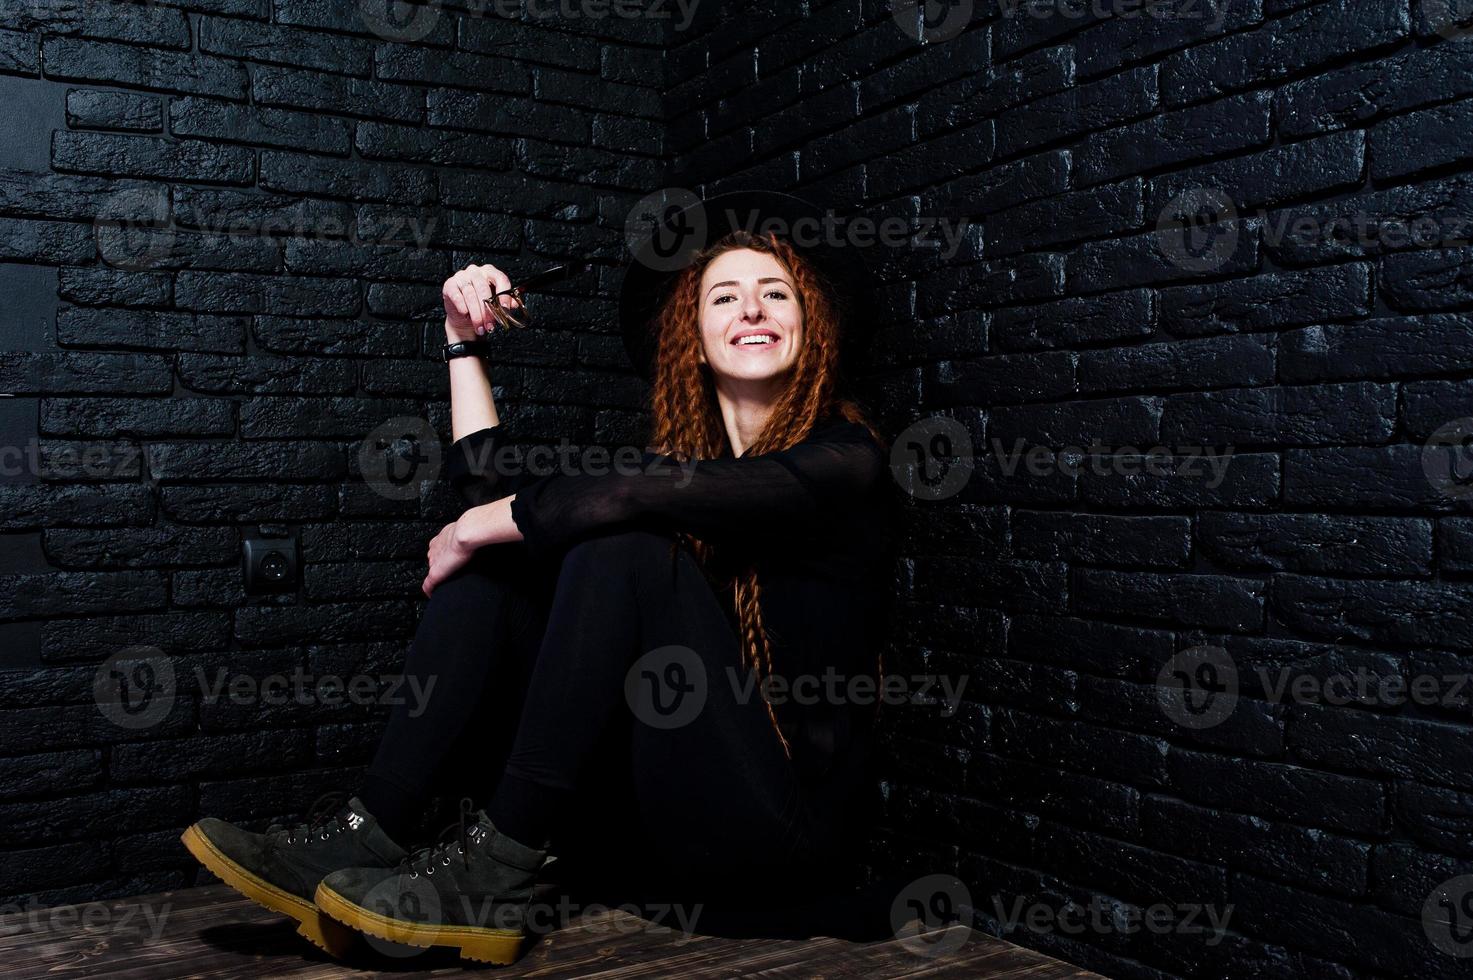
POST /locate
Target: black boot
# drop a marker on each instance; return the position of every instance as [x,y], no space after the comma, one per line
[470,893]
[280,869]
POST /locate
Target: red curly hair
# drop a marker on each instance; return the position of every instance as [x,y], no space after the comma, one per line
[687,418]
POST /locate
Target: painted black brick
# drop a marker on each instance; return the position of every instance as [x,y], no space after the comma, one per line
[233,375]
[1313,365]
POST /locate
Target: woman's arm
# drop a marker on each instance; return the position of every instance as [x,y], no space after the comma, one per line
[487,524]
[472,407]
[754,496]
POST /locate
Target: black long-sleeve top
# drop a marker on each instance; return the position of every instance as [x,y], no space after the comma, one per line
[815,520]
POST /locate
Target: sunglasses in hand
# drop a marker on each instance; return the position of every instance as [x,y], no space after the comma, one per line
[521,316]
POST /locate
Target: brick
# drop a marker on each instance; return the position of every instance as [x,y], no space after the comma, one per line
[45,241]
[1281,791]
[1077,111]
[1102,539]
[351,179]
[151,156]
[1429,280]
[378,141]
[140,547]
[1274,176]
[1066,218]
[1411,215]
[171,416]
[150,331]
[90,373]
[1376,744]
[68,59]
[1162,256]
[1211,601]
[1361,477]
[88,109]
[228,292]
[1134,759]
[1184,136]
[1358,93]
[32,508]
[20,53]
[244,503]
[1265,302]
[1292,415]
[1125,40]
[431,28]
[79,593]
[1306,39]
[157,26]
[1381,347]
[349,418]
[402,63]
[264,127]
[100,286]
[1274,850]
[1359,609]
[982,94]
[1318,543]
[1189,364]
[195,461]
[1419,141]
[285,46]
[265,373]
[292,335]
[340,94]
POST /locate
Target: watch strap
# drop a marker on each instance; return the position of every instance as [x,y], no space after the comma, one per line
[465,348]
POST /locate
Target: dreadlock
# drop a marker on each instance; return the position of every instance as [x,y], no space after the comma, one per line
[687,418]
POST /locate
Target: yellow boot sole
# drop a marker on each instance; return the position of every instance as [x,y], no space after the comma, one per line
[483,945]
[318,929]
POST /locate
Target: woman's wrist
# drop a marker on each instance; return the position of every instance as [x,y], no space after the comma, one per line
[487,524]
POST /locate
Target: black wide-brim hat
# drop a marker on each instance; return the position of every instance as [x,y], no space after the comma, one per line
[666,231]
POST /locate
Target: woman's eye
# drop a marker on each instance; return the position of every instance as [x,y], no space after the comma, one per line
[721,299]
[777,294]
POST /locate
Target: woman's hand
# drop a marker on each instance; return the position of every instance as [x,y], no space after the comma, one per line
[466,314]
[448,553]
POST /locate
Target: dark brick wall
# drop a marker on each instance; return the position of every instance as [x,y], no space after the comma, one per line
[1079,309]
[230,380]
[216,217]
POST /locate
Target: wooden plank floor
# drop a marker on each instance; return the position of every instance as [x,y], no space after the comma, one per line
[212,932]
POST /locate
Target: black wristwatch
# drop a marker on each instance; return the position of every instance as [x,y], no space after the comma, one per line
[466,348]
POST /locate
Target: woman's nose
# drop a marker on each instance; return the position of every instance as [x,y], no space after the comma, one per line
[752,309]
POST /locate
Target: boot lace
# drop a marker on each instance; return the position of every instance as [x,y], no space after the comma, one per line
[329,814]
[456,836]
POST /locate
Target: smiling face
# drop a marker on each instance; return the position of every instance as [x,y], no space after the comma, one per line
[751,320]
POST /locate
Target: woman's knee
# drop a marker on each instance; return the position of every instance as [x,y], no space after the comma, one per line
[619,550]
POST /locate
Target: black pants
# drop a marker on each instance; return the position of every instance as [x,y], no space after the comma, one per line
[530,669]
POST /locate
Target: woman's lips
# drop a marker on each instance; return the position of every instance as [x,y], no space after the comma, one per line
[761,339]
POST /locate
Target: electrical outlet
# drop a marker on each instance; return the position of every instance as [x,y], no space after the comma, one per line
[270,565]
